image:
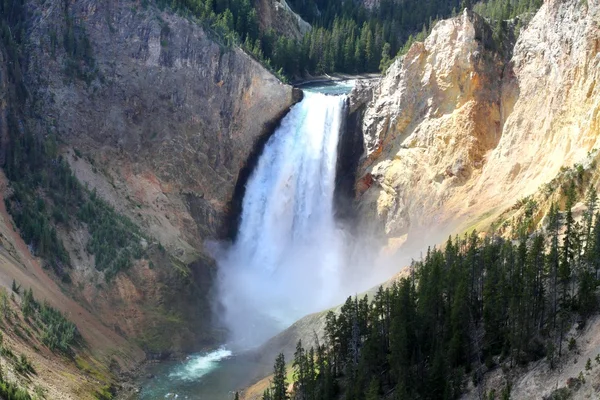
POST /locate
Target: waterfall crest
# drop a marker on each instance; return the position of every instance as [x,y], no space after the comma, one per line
[287,258]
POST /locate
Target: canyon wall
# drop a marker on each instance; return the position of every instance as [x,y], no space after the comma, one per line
[457,132]
[167,111]
[158,115]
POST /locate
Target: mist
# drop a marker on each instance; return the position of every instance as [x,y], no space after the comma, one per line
[291,257]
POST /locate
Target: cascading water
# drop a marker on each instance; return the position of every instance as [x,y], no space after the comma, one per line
[287,257]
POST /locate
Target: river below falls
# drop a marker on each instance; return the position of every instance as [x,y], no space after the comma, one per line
[213,375]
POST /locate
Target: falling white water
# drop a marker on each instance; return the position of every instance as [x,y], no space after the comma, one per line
[287,258]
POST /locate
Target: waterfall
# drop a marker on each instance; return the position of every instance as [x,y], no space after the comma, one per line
[287,258]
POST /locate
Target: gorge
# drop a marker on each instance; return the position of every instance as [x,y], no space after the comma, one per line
[290,258]
[168,194]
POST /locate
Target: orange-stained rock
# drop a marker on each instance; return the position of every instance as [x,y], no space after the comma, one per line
[456,130]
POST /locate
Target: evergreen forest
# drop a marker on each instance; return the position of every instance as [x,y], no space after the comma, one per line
[478,303]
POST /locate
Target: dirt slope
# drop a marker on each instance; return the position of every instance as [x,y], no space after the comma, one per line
[59,376]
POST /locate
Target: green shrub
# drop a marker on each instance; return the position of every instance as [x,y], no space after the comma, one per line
[59,334]
[35,167]
[11,391]
[24,366]
[39,391]
[28,304]
[15,288]
[115,240]
[106,392]
[560,394]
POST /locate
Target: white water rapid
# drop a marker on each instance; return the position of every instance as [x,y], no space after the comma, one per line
[196,366]
[287,258]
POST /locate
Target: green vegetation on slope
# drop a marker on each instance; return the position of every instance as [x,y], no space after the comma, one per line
[35,216]
[12,32]
[39,321]
[45,193]
[346,37]
[350,38]
[498,11]
[12,391]
[115,240]
[475,305]
[501,10]
[79,62]
[55,330]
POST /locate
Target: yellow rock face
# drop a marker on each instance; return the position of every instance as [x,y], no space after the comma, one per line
[455,131]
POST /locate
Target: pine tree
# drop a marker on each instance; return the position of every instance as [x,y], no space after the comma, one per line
[565,266]
[594,247]
[4,307]
[300,366]
[373,391]
[267,395]
[279,386]
[554,258]
[590,209]
[15,288]
[28,303]
[385,58]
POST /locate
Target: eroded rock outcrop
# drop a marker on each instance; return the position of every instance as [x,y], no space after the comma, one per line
[435,115]
[454,134]
[277,15]
[550,101]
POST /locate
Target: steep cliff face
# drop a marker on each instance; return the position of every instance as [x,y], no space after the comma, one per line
[351,150]
[277,15]
[102,355]
[550,101]
[166,109]
[4,87]
[159,117]
[454,134]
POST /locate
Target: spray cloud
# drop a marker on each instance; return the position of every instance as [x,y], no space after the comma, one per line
[291,257]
